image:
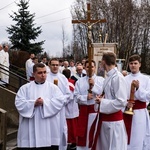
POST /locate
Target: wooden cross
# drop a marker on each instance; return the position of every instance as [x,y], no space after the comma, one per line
[89,23]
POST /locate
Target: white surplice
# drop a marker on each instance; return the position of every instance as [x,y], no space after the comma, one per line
[28,66]
[39,126]
[64,87]
[72,69]
[113,134]
[140,129]
[81,93]
[72,109]
[4,60]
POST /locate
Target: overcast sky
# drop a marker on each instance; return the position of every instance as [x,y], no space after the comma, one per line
[51,15]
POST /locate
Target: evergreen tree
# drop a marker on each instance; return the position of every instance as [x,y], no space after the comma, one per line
[24,33]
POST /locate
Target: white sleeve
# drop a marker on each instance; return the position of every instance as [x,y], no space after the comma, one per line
[118,100]
[24,105]
[98,86]
[80,95]
[143,93]
[53,105]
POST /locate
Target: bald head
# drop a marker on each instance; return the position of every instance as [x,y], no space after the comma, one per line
[79,69]
[66,64]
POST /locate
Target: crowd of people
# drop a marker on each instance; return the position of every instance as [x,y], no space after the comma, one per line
[77,69]
[66,107]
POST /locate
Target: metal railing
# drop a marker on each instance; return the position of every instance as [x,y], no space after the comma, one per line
[15,79]
[20,71]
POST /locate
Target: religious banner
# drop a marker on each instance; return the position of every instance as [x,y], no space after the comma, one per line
[98,50]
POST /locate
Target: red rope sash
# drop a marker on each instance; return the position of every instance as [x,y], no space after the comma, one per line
[102,117]
[128,118]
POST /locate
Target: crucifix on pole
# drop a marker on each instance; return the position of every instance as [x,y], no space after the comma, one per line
[89,23]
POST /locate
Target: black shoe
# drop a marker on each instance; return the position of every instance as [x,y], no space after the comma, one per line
[68,146]
[73,146]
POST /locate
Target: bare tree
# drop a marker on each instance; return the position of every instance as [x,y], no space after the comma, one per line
[64,41]
[128,24]
[145,43]
[79,30]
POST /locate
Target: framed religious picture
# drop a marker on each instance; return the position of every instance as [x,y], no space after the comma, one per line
[100,70]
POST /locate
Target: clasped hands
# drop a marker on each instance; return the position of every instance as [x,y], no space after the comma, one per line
[38,102]
[136,84]
[98,99]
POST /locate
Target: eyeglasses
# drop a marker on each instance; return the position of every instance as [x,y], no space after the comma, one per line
[54,65]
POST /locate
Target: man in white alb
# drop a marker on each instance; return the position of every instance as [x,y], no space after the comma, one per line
[4,60]
[86,100]
[39,104]
[55,77]
[139,123]
[28,65]
[111,133]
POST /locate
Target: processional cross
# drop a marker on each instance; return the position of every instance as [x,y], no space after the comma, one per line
[89,23]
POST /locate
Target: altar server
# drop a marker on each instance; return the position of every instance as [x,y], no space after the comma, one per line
[39,104]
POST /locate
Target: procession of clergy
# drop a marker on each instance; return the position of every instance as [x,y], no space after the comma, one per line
[63,107]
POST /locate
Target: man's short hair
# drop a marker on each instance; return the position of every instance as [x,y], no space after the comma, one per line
[66,73]
[60,60]
[79,67]
[34,58]
[30,53]
[53,59]
[87,61]
[38,65]
[71,61]
[134,58]
[43,57]
[109,58]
